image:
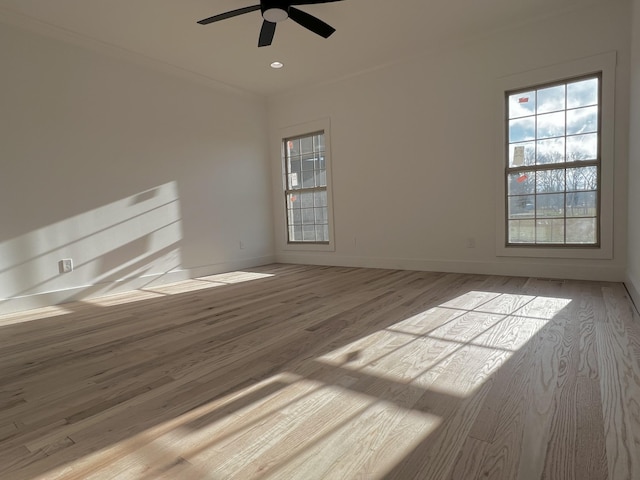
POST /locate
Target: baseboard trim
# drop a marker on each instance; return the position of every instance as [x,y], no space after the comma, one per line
[58,297]
[517,269]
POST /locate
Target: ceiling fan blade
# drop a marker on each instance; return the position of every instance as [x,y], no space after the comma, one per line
[232,13]
[311,2]
[310,22]
[267,32]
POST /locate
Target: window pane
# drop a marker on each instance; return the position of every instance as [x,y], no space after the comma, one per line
[522,104]
[551,99]
[293,168]
[522,129]
[308,179]
[293,201]
[295,217]
[582,120]
[308,217]
[295,233]
[308,162]
[582,147]
[551,151]
[306,199]
[306,145]
[550,181]
[320,216]
[308,233]
[581,230]
[318,142]
[582,93]
[522,231]
[293,181]
[581,204]
[522,183]
[293,147]
[550,231]
[321,178]
[320,199]
[522,207]
[551,125]
[522,154]
[585,178]
[550,205]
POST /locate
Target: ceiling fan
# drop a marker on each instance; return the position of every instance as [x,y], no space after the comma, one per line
[274,11]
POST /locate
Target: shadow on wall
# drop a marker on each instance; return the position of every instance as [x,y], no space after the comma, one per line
[111,247]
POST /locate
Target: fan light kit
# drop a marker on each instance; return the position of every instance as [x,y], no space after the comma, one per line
[275,15]
[275,11]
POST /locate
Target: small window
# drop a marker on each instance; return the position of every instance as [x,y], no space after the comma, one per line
[553,172]
[306,196]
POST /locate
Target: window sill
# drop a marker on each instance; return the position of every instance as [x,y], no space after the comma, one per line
[596,253]
[310,247]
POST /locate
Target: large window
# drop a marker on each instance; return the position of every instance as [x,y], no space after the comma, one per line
[306,199]
[553,171]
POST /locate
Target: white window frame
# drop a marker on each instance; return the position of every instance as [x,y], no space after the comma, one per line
[321,125]
[606,64]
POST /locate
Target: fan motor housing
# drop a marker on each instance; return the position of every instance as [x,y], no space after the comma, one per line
[274,10]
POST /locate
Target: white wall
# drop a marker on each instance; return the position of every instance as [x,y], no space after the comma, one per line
[137,175]
[414,150]
[633,270]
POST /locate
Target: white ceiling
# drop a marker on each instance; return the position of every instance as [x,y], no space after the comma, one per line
[369,33]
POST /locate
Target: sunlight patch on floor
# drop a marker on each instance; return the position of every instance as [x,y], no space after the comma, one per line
[183,287]
[194,431]
[177,288]
[303,435]
[476,332]
[293,428]
[33,315]
[122,298]
[236,277]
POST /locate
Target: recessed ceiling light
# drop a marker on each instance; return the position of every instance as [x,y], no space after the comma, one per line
[277,65]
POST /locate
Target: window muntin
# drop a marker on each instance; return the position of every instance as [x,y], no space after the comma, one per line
[306,189]
[553,164]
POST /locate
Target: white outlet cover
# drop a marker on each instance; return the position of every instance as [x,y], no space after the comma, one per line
[65,265]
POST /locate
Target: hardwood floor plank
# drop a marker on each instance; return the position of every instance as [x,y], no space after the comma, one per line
[620,387]
[542,391]
[590,454]
[501,422]
[471,461]
[560,460]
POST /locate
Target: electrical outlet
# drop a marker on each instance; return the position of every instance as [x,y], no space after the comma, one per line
[471,242]
[241,245]
[65,265]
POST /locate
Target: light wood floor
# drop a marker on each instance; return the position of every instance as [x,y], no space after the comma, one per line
[296,372]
